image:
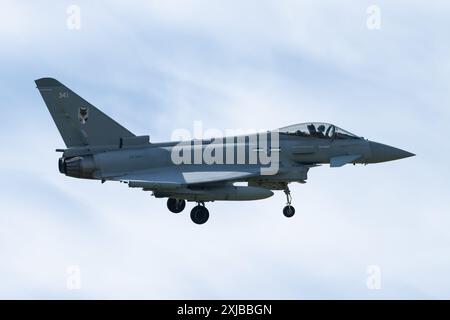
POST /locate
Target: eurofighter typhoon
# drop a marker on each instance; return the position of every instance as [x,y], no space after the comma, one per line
[200,170]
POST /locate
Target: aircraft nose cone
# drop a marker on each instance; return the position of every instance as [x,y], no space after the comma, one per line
[382,152]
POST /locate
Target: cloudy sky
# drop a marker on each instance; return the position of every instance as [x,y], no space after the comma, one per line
[160,66]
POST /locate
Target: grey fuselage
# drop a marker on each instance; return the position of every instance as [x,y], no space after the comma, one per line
[295,155]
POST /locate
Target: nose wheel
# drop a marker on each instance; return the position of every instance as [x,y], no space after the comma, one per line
[199,214]
[176,205]
[288,210]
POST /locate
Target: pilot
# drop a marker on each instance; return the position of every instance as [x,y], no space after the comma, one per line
[320,131]
[312,130]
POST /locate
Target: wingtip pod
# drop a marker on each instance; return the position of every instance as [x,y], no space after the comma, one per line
[47,82]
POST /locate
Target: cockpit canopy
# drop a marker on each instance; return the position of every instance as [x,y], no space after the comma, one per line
[318,130]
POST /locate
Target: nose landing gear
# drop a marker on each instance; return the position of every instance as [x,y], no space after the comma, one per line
[288,210]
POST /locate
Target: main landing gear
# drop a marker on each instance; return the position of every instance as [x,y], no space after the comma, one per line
[176,205]
[289,210]
[199,214]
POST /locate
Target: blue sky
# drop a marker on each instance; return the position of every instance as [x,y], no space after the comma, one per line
[159,66]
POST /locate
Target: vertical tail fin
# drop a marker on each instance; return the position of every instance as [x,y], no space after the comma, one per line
[79,122]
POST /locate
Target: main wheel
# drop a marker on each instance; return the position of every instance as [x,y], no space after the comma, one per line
[199,214]
[175,205]
[288,211]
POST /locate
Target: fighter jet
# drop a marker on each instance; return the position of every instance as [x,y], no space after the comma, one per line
[233,168]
